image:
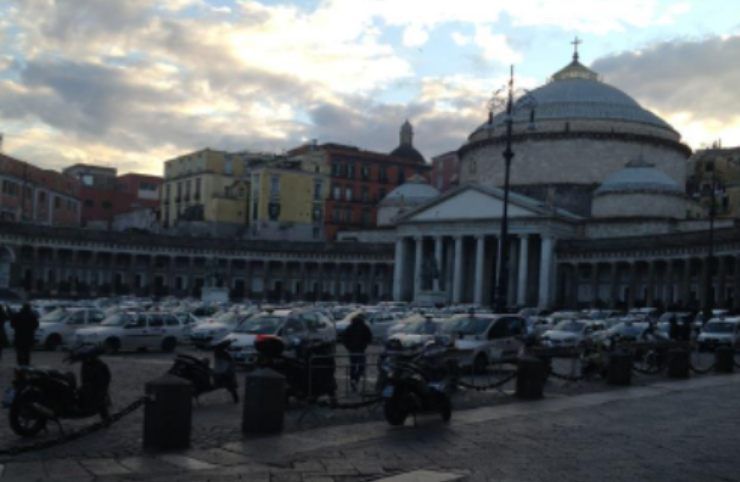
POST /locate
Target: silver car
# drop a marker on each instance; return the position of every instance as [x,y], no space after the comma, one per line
[486,338]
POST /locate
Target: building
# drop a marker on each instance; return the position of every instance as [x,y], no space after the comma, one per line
[598,215]
[47,261]
[34,195]
[209,189]
[359,179]
[445,171]
[106,195]
[286,202]
[716,169]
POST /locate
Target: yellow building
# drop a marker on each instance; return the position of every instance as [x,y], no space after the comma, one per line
[717,169]
[208,185]
[287,202]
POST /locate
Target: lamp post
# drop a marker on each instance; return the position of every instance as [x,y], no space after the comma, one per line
[707,281]
[526,100]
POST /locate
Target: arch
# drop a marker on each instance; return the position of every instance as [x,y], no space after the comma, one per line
[7,254]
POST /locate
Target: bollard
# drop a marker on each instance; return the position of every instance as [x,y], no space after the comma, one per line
[724,359]
[530,378]
[679,363]
[168,414]
[619,370]
[264,402]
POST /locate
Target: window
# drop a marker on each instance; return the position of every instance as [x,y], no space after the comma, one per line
[89,203]
[335,215]
[348,193]
[316,215]
[57,202]
[365,194]
[229,167]
[274,186]
[365,172]
[10,188]
[179,190]
[335,169]
[366,217]
[107,205]
[187,188]
[351,170]
[167,191]
[317,188]
[348,215]
[87,179]
[156,321]
[316,232]
[197,189]
[381,193]
[383,174]
[709,166]
[171,320]
[337,193]
[42,196]
[147,186]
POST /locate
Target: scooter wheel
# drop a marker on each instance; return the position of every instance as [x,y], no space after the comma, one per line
[24,420]
[395,414]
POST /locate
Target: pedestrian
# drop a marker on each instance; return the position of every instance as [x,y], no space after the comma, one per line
[4,316]
[357,337]
[24,323]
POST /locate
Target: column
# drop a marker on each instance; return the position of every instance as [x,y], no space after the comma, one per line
[546,252]
[521,291]
[706,278]
[721,289]
[632,280]
[595,285]
[668,288]
[417,266]
[685,282]
[480,257]
[457,283]
[438,284]
[398,270]
[650,284]
[613,291]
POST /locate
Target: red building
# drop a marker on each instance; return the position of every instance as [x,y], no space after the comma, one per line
[31,194]
[104,194]
[361,179]
[445,171]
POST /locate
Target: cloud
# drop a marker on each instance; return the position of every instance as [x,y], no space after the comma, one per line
[691,83]
[495,46]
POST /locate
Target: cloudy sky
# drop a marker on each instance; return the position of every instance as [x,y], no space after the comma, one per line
[131,83]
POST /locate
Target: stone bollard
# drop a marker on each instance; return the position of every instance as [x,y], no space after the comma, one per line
[724,359]
[619,370]
[530,377]
[264,402]
[679,363]
[168,414]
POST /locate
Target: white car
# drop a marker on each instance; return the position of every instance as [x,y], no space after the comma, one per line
[203,334]
[58,327]
[294,328]
[570,333]
[485,338]
[134,331]
[719,332]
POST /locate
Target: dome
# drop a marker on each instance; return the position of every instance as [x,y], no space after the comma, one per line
[639,176]
[576,93]
[408,152]
[414,192]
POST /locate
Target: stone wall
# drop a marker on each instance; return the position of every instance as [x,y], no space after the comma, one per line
[639,205]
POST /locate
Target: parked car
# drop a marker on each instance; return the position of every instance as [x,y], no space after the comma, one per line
[570,333]
[134,331]
[213,329]
[719,332]
[414,334]
[485,338]
[58,327]
[295,328]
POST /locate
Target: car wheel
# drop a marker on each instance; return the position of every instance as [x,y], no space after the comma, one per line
[52,342]
[480,363]
[169,345]
[112,345]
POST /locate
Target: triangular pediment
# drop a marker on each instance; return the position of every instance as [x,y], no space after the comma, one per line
[470,203]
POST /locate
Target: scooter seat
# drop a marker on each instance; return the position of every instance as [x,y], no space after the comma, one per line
[69,377]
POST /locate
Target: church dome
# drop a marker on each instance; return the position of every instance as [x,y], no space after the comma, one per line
[406,149]
[414,192]
[639,176]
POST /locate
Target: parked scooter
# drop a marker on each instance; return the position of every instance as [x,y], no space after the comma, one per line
[41,395]
[418,384]
[204,378]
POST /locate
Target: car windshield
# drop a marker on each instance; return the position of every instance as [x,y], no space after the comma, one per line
[263,325]
[467,326]
[570,325]
[227,318]
[119,319]
[629,329]
[55,316]
[719,327]
[421,327]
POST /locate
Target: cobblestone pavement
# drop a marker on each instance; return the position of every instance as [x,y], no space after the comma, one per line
[368,450]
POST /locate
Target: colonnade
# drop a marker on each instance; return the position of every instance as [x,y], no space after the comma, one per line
[466,268]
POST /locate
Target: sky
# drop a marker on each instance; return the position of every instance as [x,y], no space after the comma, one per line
[132,83]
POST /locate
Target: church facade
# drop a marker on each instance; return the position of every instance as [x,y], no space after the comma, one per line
[598,212]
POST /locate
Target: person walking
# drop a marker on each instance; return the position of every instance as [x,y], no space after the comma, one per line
[24,323]
[4,316]
[357,337]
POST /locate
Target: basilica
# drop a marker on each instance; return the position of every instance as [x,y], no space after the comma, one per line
[598,214]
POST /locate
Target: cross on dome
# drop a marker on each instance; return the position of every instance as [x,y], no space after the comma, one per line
[575,43]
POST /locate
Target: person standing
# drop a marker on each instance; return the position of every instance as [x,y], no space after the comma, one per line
[24,323]
[4,316]
[357,337]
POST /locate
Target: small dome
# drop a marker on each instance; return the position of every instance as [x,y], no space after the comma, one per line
[415,191]
[639,176]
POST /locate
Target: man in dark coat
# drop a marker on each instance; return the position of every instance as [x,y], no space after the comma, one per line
[356,338]
[24,324]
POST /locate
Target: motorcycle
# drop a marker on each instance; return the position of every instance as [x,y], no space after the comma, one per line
[204,378]
[421,383]
[40,395]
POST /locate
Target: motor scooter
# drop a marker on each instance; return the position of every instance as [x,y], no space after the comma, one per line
[40,395]
[205,379]
[422,383]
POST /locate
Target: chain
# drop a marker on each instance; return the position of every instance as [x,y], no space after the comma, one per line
[701,371]
[647,371]
[491,386]
[335,405]
[568,378]
[68,437]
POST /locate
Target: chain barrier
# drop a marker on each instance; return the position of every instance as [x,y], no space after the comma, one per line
[336,405]
[568,378]
[491,386]
[647,371]
[701,371]
[68,437]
